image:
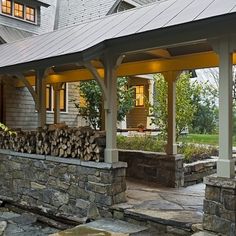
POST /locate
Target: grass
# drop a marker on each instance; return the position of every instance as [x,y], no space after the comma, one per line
[208,139]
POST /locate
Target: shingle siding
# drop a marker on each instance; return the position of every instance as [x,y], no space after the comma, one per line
[77,11]
[20,109]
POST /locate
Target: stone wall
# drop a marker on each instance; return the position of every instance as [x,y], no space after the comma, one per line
[63,187]
[196,171]
[220,205]
[157,167]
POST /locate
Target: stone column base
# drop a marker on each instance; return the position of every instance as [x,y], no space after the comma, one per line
[220,205]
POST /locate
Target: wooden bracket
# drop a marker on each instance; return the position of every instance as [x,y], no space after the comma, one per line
[97,77]
[28,86]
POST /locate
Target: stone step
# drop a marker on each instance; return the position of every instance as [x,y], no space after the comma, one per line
[106,227]
[204,233]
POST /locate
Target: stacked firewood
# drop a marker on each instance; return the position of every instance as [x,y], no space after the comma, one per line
[82,143]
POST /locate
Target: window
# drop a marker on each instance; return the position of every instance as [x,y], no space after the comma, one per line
[6,7]
[139,95]
[63,98]
[30,14]
[19,10]
[50,98]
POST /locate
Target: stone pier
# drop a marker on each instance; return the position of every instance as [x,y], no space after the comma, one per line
[220,205]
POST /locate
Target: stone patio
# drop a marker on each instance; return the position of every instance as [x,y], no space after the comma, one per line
[168,210]
[26,224]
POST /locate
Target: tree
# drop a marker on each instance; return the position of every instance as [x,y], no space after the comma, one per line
[206,115]
[91,94]
[185,108]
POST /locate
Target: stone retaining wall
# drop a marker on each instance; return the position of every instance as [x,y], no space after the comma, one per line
[151,166]
[220,205]
[61,186]
[196,171]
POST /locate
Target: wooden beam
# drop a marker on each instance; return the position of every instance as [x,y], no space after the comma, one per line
[160,53]
[188,62]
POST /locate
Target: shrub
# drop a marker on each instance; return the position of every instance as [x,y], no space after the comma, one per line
[5,129]
[191,152]
[196,152]
[144,143]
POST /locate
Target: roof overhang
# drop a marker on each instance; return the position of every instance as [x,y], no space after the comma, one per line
[40,3]
[189,33]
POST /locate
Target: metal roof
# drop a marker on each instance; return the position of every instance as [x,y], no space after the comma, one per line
[9,34]
[81,37]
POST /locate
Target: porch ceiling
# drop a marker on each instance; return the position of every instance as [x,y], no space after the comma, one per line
[167,35]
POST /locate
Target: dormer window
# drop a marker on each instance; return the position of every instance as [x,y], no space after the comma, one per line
[19,10]
[30,14]
[7,7]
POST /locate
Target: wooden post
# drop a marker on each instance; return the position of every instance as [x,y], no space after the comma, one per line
[41,92]
[225,165]
[57,88]
[111,152]
[1,101]
[110,105]
[171,77]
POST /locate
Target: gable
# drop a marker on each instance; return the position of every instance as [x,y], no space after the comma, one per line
[143,2]
[74,12]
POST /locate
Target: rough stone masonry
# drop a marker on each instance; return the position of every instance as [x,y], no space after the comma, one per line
[61,186]
[220,205]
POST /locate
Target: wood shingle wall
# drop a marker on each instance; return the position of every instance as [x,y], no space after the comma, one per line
[20,108]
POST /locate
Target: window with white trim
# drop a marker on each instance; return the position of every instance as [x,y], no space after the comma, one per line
[139,95]
[18,10]
[30,14]
[50,98]
[6,7]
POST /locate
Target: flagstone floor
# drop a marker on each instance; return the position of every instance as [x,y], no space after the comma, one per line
[182,208]
[14,224]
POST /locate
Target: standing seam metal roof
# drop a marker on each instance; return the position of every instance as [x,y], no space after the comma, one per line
[81,37]
[9,34]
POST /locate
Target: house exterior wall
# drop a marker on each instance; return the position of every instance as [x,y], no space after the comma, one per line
[20,109]
[45,20]
[138,115]
[71,12]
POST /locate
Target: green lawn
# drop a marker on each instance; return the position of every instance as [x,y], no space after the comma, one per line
[210,139]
